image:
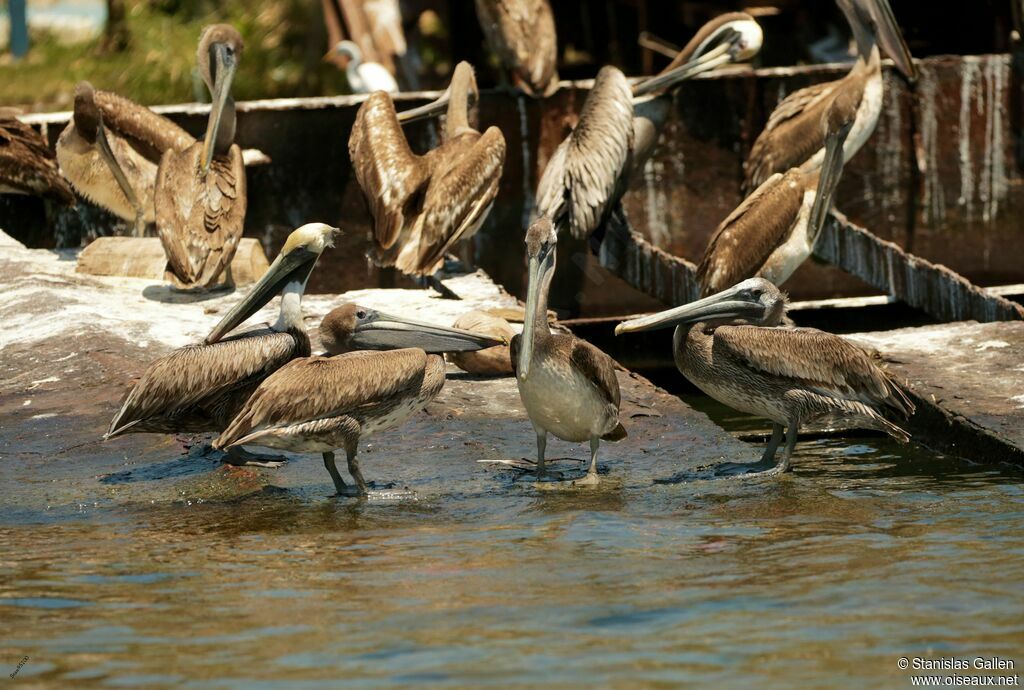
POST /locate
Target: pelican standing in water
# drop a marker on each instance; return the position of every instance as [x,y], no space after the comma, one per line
[27,165]
[364,77]
[619,126]
[320,404]
[567,385]
[774,229]
[522,34]
[423,205]
[730,346]
[110,151]
[200,388]
[793,136]
[200,192]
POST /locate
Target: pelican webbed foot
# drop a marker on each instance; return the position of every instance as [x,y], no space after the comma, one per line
[766,466]
[240,457]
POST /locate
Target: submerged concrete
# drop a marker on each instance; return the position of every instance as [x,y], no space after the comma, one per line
[72,344]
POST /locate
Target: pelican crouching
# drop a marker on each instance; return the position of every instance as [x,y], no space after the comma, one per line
[27,165]
[110,151]
[422,206]
[567,385]
[730,346]
[200,388]
[320,404]
[200,192]
[774,230]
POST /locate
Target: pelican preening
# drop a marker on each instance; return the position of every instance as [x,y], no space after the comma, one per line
[363,77]
[423,205]
[774,230]
[200,195]
[110,151]
[730,346]
[793,136]
[619,125]
[27,165]
[567,385]
[522,34]
[200,388]
[320,404]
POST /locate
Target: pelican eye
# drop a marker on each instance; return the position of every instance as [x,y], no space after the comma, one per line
[361,314]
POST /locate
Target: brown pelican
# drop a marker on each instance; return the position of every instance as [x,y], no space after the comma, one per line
[27,165]
[522,34]
[493,361]
[423,205]
[364,77]
[619,126]
[774,229]
[319,404]
[110,151]
[200,191]
[793,137]
[730,347]
[567,385]
[200,388]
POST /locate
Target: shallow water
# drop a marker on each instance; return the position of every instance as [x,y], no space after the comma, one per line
[866,552]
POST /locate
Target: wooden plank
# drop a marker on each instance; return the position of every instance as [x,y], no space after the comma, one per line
[143,257]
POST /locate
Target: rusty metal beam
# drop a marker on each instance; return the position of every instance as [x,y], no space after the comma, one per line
[930,287]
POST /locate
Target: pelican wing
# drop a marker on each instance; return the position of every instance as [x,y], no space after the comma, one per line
[390,175]
[793,134]
[149,134]
[462,189]
[597,367]
[522,34]
[200,219]
[315,388]
[27,164]
[580,180]
[813,359]
[743,242]
[196,372]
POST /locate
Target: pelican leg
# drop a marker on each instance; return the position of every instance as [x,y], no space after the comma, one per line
[787,453]
[435,282]
[332,469]
[542,444]
[766,464]
[353,469]
[240,457]
[591,479]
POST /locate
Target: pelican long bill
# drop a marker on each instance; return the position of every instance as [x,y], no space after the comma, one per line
[732,303]
[224,73]
[540,268]
[890,38]
[119,176]
[379,331]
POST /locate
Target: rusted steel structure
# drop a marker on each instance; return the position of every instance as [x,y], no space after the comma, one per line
[939,178]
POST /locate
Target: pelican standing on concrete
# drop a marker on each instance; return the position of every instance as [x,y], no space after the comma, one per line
[522,34]
[619,126]
[27,165]
[200,388]
[200,191]
[320,404]
[793,136]
[423,205]
[567,385]
[730,346]
[774,229]
[364,77]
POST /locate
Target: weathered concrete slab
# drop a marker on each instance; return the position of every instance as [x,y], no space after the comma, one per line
[72,344]
[969,384]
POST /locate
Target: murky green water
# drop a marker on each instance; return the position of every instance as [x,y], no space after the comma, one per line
[866,552]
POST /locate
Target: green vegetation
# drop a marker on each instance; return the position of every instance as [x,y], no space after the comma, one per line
[284,43]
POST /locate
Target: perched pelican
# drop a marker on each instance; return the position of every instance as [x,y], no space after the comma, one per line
[423,205]
[619,126]
[567,385]
[730,347]
[493,361]
[774,229]
[110,151]
[522,34]
[27,165]
[364,77]
[793,137]
[200,388]
[320,404]
[200,191]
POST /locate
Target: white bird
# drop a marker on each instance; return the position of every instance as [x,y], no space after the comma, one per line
[364,77]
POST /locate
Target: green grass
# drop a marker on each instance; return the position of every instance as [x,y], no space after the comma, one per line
[284,42]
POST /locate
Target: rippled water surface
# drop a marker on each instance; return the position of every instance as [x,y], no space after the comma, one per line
[866,552]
